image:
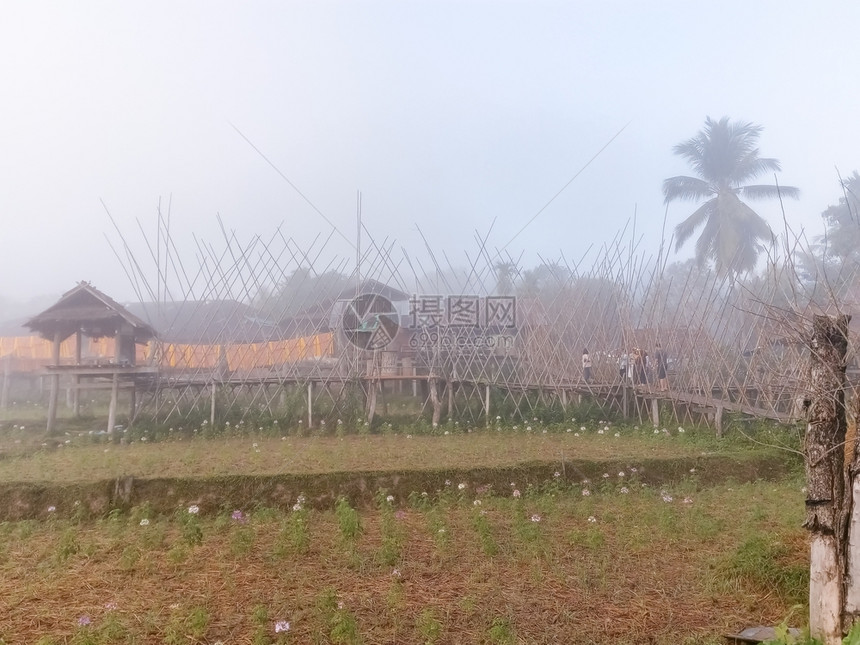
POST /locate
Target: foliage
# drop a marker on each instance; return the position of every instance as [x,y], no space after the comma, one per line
[724,157]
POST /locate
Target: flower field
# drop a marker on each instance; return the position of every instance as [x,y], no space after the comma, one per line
[609,558]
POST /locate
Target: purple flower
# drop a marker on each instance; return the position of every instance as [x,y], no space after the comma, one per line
[84,620]
[239,516]
[282,626]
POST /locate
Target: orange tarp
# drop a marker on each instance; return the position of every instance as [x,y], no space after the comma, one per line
[184,356]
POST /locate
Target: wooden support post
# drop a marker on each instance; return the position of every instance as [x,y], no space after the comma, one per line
[371,402]
[55,385]
[655,412]
[212,387]
[310,404]
[487,402]
[718,420]
[7,376]
[132,403]
[828,507]
[625,402]
[76,403]
[564,400]
[450,386]
[114,392]
[434,399]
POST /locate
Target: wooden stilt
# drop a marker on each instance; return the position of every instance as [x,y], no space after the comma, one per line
[114,392]
[449,385]
[434,399]
[371,402]
[718,420]
[212,387]
[76,403]
[310,404]
[55,385]
[7,377]
[132,403]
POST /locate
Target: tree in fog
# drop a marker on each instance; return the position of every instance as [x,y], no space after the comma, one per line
[832,263]
[724,157]
[842,223]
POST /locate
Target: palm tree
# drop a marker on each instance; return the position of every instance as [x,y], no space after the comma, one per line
[724,156]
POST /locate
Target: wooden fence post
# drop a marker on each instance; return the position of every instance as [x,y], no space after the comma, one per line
[826,510]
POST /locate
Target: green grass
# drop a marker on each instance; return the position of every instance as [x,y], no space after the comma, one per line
[83,457]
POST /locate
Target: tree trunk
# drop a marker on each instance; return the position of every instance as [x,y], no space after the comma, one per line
[827,509]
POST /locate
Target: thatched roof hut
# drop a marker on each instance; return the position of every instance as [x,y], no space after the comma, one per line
[87,311]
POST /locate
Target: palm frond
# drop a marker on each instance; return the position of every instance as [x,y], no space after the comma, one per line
[687,188]
[685,229]
[768,192]
[751,166]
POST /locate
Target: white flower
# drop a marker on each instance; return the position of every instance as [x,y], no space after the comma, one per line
[680,429]
[144,522]
[571,430]
[516,493]
[396,573]
[297,507]
[446,432]
[634,470]
[556,474]
[605,475]
[688,500]
[586,492]
[656,431]
[617,434]
[592,519]
[666,497]
[255,445]
[282,626]
[194,509]
[625,490]
[600,431]
[582,428]
[389,499]
[529,428]
[498,418]
[535,518]
[621,474]
[477,502]
[51,509]
[575,434]
[409,436]
[692,470]
[447,482]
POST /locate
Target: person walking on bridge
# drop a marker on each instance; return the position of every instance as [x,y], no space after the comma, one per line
[586,366]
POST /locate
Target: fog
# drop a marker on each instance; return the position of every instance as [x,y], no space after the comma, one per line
[449,117]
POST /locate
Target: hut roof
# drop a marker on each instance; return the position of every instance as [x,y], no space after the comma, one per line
[369,285]
[207,321]
[87,309]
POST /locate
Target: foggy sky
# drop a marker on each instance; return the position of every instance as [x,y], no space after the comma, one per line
[445,114]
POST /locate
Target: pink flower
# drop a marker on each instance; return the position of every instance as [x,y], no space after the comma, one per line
[282,626]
